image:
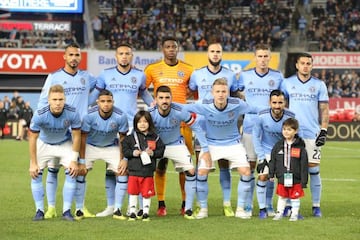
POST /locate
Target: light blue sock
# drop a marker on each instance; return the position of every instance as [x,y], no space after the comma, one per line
[110,183]
[51,186]
[250,197]
[261,193]
[243,190]
[120,190]
[68,191]
[190,190]
[202,190]
[225,182]
[80,192]
[269,193]
[315,185]
[141,201]
[37,190]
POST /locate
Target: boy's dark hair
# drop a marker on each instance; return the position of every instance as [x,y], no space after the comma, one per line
[291,122]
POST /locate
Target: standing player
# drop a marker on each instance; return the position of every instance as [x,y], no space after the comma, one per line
[175,74]
[221,114]
[308,97]
[201,81]
[256,84]
[126,83]
[50,146]
[167,118]
[77,86]
[99,141]
[265,134]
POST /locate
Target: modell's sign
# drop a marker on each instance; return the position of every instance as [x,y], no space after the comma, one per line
[336,60]
[35,26]
[33,61]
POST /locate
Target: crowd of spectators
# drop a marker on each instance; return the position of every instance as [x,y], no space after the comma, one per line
[340,84]
[336,27]
[195,23]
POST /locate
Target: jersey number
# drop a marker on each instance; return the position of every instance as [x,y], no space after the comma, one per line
[317,154]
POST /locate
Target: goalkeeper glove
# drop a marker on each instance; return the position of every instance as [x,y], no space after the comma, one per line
[261,165]
[321,138]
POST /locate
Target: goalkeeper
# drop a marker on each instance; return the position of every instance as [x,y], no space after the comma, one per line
[267,132]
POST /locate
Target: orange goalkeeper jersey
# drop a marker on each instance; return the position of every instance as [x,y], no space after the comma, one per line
[176,77]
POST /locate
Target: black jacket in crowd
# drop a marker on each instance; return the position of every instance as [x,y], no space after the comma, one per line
[135,166]
[298,162]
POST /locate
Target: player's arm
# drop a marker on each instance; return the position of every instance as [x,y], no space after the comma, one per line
[76,141]
[324,118]
[34,167]
[123,162]
[43,99]
[146,97]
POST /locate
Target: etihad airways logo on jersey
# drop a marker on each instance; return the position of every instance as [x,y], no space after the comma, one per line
[74,90]
[121,87]
[303,96]
[222,123]
[171,80]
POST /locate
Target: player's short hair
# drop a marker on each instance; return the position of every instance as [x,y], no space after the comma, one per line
[72,45]
[292,123]
[214,43]
[262,46]
[277,93]
[164,89]
[148,118]
[168,38]
[303,54]
[124,45]
[220,81]
[105,92]
[56,89]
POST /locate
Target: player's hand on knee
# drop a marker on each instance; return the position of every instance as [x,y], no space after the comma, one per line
[73,169]
[122,167]
[205,156]
[262,163]
[321,138]
[34,171]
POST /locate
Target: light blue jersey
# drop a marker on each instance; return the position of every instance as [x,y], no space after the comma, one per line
[125,88]
[103,132]
[257,89]
[77,88]
[202,79]
[221,125]
[305,97]
[267,131]
[55,130]
[168,127]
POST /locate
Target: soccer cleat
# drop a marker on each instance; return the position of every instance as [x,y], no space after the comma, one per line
[293,217]
[316,212]
[146,217]
[228,211]
[300,217]
[132,217]
[79,215]
[202,213]
[287,211]
[161,212]
[87,213]
[118,215]
[67,216]
[39,215]
[139,214]
[109,210]
[263,214]
[248,210]
[189,215]
[50,213]
[270,211]
[278,216]
[241,213]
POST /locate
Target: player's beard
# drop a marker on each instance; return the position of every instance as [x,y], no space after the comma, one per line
[124,65]
[215,64]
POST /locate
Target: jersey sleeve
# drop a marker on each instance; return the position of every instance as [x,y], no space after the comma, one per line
[43,99]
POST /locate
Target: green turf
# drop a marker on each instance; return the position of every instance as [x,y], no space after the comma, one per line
[340,206]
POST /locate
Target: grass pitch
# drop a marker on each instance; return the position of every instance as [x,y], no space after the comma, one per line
[340,173]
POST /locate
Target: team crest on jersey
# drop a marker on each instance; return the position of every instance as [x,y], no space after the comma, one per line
[66,123]
[231,114]
[312,89]
[181,74]
[82,80]
[113,126]
[271,83]
[174,121]
[133,80]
